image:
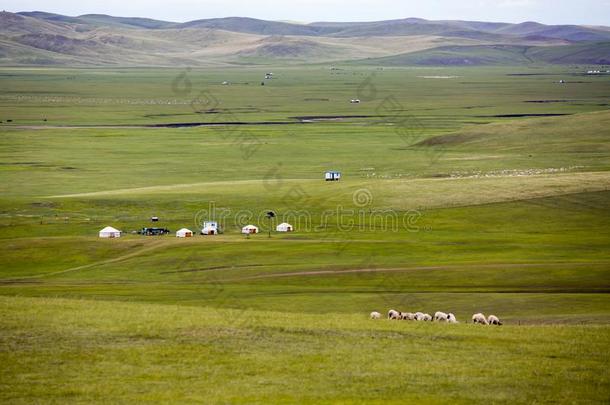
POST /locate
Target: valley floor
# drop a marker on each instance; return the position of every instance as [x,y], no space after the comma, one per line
[459,195]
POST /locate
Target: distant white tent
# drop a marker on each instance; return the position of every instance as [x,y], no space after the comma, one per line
[249,229]
[209,230]
[284,227]
[110,232]
[332,176]
[184,233]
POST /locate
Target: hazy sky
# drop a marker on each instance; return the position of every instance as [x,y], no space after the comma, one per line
[596,12]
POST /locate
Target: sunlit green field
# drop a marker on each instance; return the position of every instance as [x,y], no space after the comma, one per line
[91,351]
[463,190]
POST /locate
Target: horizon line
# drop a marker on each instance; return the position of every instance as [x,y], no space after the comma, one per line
[295,22]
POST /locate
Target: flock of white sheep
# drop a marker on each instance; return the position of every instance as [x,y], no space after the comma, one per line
[438,317]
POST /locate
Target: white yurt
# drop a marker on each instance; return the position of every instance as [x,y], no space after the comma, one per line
[284,227]
[110,232]
[184,233]
[209,230]
[249,229]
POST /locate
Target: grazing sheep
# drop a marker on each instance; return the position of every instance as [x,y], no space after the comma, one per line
[479,318]
[393,314]
[493,320]
[451,318]
[375,315]
[427,317]
[419,316]
[440,316]
[407,316]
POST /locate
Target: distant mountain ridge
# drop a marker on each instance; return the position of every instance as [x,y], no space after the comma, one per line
[406,26]
[40,38]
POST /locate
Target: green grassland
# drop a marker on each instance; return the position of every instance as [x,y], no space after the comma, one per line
[464,190]
[83,351]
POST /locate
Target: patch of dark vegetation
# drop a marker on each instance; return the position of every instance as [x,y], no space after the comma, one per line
[532,74]
[452,139]
[57,43]
[549,101]
[20,163]
[69,168]
[316,99]
[521,115]
[44,204]
[211,268]
[331,117]
[242,109]
[230,110]
[226,123]
[17,281]
[165,115]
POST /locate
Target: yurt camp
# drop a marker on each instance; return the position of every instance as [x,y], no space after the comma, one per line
[184,233]
[110,232]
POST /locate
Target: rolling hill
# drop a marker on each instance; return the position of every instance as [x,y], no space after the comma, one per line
[40,38]
[536,135]
[500,54]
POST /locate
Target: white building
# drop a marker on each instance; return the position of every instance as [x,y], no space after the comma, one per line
[332,176]
[248,229]
[184,233]
[110,232]
[284,227]
[209,230]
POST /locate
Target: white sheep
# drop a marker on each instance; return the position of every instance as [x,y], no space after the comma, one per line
[479,318]
[375,315]
[407,316]
[393,314]
[440,316]
[493,320]
[427,317]
[419,316]
[451,318]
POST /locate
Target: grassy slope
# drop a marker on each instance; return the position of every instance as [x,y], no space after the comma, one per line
[474,252]
[534,136]
[81,351]
[590,53]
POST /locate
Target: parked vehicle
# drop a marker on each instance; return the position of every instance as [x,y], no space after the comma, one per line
[154,231]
